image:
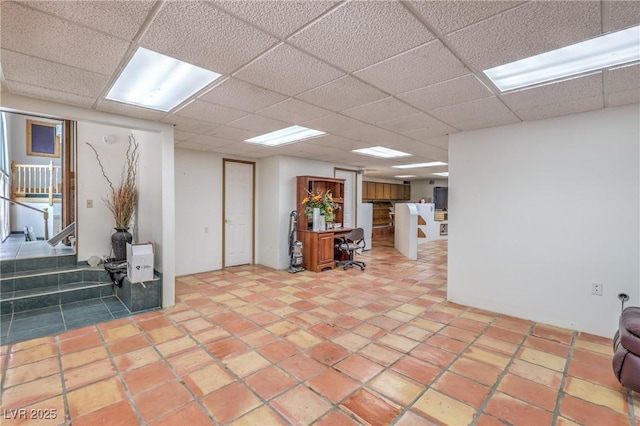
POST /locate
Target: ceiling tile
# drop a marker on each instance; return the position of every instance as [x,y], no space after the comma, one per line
[450,92]
[181,136]
[376,136]
[294,111]
[240,95]
[624,98]
[624,78]
[344,93]
[287,70]
[189,124]
[258,124]
[419,120]
[445,17]
[231,133]
[562,108]
[121,18]
[380,110]
[440,142]
[37,34]
[429,152]
[476,114]
[623,86]
[202,35]
[210,141]
[319,151]
[23,89]
[337,142]
[361,33]
[333,123]
[419,67]
[623,14]
[129,110]
[238,148]
[205,111]
[547,25]
[425,135]
[269,14]
[576,88]
[57,77]
[192,146]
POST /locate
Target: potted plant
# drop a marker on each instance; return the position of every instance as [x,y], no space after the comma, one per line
[122,199]
[323,201]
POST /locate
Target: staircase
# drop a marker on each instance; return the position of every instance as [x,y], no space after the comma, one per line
[48,295]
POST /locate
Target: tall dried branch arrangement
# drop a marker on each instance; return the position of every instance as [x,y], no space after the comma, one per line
[123,199]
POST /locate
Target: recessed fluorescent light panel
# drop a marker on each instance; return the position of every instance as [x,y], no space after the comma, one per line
[405,176]
[445,174]
[380,151]
[621,47]
[417,165]
[286,135]
[156,81]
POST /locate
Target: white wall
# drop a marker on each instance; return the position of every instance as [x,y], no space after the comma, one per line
[199,204]
[22,216]
[17,135]
[270,201]
[96,224]
[540,211]
[198,177]
[422,188]
[148,221]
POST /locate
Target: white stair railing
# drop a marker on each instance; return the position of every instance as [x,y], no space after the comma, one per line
[36,180]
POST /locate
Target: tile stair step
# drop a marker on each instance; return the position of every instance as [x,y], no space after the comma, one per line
[51,277]
[22,300]
[37,263]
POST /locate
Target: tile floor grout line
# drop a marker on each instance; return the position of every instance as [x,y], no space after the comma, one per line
[565,374]
[632,411]
[253,348]
[443,370]
[65,394]
[504,372]
[5,365]
[201,346]
[300,351]
[119,374]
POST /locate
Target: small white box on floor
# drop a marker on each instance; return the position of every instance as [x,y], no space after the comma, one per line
[140,262]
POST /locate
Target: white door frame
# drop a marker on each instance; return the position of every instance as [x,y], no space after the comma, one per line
[253,207]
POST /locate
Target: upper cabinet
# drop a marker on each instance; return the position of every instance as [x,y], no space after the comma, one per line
[385,191]
[314,185]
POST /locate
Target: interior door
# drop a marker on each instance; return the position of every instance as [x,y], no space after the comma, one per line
[238,212]
[349,206]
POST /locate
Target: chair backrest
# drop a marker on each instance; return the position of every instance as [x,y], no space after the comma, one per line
[356,234]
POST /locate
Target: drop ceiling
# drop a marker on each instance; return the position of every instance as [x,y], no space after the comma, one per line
[403,75]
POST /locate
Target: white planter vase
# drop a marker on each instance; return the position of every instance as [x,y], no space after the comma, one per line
[323,223]
[316,219]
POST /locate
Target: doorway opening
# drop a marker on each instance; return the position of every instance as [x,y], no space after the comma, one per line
[36,185]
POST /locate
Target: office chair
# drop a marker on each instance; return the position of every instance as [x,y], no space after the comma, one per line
[352,241]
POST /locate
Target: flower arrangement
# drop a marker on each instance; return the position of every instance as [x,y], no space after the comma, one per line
[123,199]
[322,201]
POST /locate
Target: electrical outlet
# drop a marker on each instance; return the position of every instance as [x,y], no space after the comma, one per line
[89,204]
[596,289]
[206,229]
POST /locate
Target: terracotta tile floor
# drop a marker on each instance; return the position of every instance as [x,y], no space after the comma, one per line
[252,345]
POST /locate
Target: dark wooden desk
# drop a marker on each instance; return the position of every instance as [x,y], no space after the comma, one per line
[318,248]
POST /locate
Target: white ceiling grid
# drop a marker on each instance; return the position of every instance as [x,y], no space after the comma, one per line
[403,75]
